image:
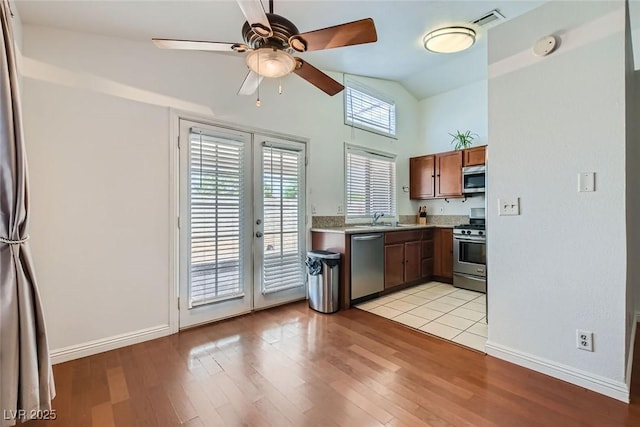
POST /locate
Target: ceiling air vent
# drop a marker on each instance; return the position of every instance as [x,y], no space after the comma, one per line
[490,19]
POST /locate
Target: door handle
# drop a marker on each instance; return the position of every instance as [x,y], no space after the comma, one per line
[258,234]
[370,237]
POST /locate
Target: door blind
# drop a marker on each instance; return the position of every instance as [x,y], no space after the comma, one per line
[217,191]
[371,184]
[282,181]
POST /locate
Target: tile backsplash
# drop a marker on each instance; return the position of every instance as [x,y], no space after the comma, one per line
[338,220]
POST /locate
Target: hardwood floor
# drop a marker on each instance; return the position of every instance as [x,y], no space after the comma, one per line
[290,366]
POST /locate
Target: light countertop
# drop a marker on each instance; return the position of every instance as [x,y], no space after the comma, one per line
[359,229]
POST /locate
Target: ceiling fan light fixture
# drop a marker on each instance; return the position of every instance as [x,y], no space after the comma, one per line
[297,43]
[239,47]
[269,62]
[449,39]
[261,30]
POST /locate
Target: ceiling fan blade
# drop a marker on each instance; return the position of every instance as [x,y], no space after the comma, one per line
[317,78]
[256,17]
[250,84]
[200,45]
[351,33]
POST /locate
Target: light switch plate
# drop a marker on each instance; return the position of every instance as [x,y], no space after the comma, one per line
[509,206]
[586,182]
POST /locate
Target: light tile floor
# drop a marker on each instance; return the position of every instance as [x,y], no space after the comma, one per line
[439,309]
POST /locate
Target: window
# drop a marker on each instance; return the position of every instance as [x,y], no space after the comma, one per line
[368,110]
[370,182]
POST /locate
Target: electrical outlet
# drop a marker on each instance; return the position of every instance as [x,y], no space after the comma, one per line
[441,209]
[584,340]
[340,209]
[586,182]
[313,209]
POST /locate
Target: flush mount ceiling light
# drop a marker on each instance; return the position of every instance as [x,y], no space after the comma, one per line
[449,39]
[270,62]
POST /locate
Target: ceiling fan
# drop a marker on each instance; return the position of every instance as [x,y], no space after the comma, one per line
[271,40]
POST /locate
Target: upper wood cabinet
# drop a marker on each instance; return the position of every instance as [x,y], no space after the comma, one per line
[422,175]
[449,174]
[474,156]
[436,175]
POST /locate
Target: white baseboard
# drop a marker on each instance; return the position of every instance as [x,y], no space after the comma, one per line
[634,326]
[77,351]
[615,389]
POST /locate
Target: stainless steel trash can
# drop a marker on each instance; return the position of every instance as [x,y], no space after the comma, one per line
[323,268]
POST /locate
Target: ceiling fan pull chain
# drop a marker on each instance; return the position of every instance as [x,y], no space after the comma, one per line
[200,159]
[258,103]
[280,87]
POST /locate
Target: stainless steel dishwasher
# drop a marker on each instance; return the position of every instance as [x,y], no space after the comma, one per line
[367,264]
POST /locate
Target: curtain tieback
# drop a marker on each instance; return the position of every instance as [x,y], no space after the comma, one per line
[14,242]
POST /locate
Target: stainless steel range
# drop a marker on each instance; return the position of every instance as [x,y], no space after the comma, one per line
[470,253]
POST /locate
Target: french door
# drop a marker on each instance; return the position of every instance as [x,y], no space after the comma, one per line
[242,229]
[280,221]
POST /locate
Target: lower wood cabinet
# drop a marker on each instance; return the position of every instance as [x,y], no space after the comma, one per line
[409,256]
[412,261]
[393,265]
[443,253]
[426,254]
[402,260]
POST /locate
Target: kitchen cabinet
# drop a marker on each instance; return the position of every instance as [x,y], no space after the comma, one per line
[410,256]
[393,265]
[422,173]
[402,260]
[474,156]
[449,174]
[436,175]
[443,254]
[426,254]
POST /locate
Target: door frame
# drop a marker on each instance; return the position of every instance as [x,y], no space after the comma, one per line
[175,115]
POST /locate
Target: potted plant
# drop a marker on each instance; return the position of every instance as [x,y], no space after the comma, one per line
[462,140]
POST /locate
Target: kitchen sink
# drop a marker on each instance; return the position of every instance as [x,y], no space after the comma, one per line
[382,226]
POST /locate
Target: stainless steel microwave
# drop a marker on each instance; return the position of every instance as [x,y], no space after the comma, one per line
[473,179]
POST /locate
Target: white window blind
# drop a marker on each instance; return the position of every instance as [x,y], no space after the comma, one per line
[282,180]
[368,110]
[217,191]
[370,182]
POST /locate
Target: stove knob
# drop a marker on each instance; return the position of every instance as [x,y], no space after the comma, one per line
[468,231]
[481,232]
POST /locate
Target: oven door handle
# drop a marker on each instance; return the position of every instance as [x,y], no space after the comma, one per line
[467,276]
[466,240]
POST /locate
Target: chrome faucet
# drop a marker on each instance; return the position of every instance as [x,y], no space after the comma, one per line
[376,217]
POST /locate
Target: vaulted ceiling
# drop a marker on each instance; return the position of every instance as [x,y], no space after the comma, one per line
[398,55]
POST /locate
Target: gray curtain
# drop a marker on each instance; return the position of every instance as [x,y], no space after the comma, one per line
[26,379]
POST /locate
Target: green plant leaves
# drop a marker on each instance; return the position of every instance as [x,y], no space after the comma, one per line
[462,140]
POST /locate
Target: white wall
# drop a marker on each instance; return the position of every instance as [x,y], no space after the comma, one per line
[97,112]
[632,193]
[461,109]
[561,264]
[16,25]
